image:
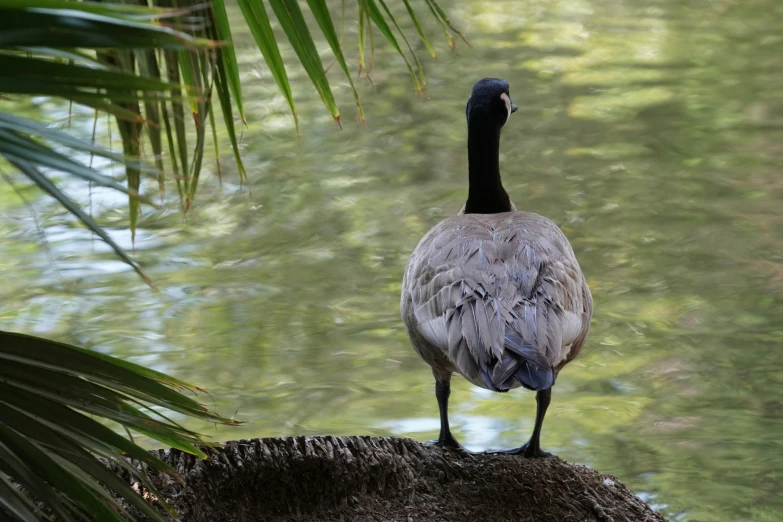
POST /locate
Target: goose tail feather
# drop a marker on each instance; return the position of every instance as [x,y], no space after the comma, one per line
[534,378]
[527,374]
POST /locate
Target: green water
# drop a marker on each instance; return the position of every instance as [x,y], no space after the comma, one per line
[650,131]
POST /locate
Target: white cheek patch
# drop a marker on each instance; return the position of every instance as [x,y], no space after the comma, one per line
[506,99]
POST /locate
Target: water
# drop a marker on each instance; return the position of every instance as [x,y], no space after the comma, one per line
[649,131]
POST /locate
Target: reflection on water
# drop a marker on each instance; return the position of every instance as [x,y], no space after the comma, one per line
[649,131]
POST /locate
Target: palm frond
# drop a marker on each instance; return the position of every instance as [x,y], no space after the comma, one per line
[260,27]
[50,396]
[73,26]
[419,29]
[121,58]
[228,55]
[44,50]
[383,26]
[292,20]
[321,13]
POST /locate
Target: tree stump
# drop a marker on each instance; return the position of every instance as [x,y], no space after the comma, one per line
[386,479]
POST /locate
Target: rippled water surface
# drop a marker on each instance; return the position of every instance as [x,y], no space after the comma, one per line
[649,131]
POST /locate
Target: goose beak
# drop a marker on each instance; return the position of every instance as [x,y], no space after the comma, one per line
[513,108]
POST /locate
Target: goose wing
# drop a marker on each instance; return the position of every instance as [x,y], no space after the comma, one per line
[502,297]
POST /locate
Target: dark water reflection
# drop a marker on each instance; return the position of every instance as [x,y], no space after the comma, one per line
[650,131]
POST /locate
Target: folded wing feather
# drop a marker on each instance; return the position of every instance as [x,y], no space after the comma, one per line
[501,298]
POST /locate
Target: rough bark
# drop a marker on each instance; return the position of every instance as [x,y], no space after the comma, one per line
[387,479]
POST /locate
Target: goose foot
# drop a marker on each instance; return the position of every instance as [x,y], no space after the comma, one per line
[532,448]
[527,450]
[448,443]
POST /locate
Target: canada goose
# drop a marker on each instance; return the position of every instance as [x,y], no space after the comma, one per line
[494,294]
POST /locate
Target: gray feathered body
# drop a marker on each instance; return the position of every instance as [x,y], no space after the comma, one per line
[497,298]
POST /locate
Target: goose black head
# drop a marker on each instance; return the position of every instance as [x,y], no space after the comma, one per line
[490,103]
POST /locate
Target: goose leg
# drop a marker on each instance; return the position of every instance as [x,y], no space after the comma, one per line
[532,448]
[442,392]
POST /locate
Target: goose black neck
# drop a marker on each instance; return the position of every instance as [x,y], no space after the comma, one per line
[486,194]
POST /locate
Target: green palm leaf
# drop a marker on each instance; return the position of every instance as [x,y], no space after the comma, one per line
[45,49]
[419,29]
[133,12]
[293,23]
[49,395]
[36,176]
[321,13]
[440,15]
[73,28]
[16,147]
[107,81]
[228,56]
[404,39]
[258,22]
[378,18]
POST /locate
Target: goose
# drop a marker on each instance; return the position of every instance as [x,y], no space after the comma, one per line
[494,294]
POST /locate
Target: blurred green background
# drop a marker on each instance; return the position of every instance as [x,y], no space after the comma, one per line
[650,131]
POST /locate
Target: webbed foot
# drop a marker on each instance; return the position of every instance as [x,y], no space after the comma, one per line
[449,443]
[527,450]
